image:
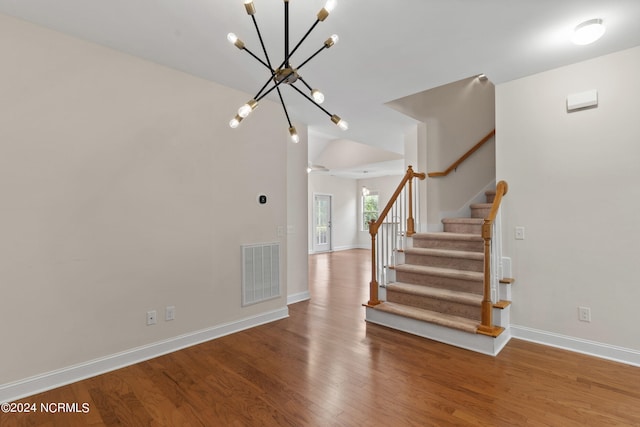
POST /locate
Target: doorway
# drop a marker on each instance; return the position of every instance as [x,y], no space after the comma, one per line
[322,222]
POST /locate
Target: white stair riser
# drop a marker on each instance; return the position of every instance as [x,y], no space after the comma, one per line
[502,316]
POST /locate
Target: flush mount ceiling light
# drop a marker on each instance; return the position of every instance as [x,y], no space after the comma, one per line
[285,73]
[588,32]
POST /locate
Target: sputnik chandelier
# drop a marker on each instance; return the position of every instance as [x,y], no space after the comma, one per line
[285,73]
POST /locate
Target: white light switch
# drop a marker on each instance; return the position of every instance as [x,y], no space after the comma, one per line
[519,233]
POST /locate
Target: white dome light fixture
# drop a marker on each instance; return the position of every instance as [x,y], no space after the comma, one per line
[588,32]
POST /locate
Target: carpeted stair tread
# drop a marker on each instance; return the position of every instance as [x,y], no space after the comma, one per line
[449,236]
[436,293]
[442,272]
[447,320]
[446,253]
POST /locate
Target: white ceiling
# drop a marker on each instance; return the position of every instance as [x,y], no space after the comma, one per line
[387,49]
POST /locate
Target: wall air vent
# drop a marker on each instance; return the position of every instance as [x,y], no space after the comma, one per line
[260,272]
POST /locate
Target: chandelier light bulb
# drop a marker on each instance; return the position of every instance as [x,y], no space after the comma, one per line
[244,110]
[233,39]
[343,125]
[294,135]
[317,96]
[250,8]
[588,32]
[331,41]
[247,108]
[235,122]
[330,5]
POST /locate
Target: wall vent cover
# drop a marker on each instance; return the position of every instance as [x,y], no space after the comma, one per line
[260,272]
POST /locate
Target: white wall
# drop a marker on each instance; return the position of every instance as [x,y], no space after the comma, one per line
[344,209]
[574,184]
[124,190]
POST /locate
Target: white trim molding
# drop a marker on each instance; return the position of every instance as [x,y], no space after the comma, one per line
[50,380]
[592,348]
[299,297]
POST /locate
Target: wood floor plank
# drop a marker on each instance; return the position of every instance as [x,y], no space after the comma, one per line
[325,366]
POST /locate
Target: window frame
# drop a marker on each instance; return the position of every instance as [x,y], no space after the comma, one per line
[364,224]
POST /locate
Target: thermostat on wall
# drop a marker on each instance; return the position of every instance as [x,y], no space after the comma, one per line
[262,199]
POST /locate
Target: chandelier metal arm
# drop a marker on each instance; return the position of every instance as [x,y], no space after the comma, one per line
[261,89]
[304,82]
[284,107]
[312,56]
[266,55]
[258,59]
[312,101]
[286,59]
[286,33]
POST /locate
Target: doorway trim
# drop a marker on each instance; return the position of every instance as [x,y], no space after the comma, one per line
[314,246]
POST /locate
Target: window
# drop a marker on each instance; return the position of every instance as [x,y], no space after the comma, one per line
[369,209]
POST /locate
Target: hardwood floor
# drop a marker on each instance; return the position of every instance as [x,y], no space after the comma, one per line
[325,366]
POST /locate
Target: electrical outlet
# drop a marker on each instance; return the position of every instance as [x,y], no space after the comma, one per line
[169,313]
[520,233]
[152,317]
[584,314]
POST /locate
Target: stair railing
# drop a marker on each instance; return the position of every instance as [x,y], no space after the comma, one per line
[491,232]
[387,236]
[464,157]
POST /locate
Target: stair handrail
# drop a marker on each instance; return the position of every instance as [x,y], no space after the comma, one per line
[374,226]
[486,323]
[464,157]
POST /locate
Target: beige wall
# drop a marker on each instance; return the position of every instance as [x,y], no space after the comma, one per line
[574,184]
[457,116]
[124,190]
[344,209]
[297,214]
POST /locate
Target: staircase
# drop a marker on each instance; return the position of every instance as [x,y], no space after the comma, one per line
[438,286]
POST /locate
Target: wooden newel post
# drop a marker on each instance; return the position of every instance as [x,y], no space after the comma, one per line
[487,304]
[410,222]
[373,285]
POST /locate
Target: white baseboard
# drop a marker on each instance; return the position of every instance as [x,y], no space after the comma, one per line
[50,380]
[346,248]
[299,297]
[578,345]
[340,248]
